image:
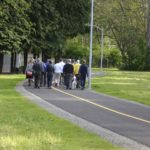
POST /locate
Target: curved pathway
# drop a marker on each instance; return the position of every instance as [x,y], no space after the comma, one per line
[122,122]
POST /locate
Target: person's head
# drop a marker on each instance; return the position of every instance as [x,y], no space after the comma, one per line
[69,61]
[38,60]
[72,61]
[60,60]
[46,61]
[65,61]
[33,60]
[78,61]
[30,61]
[50,62]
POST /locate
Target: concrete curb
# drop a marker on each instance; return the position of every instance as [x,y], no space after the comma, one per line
[93,128]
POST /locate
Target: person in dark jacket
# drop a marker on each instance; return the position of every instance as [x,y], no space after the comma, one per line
[43,72]
[83,71]
[68,74]
[50,73]
[37,69]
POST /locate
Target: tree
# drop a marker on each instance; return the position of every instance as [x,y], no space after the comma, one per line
[55,21]
[126,22]
[41,25]
[14,26]
[75,49]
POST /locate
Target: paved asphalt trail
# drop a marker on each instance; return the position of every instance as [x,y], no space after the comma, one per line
[127,119]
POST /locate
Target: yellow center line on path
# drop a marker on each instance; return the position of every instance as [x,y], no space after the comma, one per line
[101,106]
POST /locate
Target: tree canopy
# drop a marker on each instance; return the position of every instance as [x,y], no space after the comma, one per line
[127,22]
[15,25]
[48,25]
[40,24]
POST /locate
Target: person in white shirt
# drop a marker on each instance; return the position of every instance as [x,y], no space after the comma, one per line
[62,66]
[57,75]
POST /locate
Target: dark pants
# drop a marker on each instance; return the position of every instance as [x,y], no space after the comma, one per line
[45,76]
[37,77]
[42,79]
[83,79]
[68,80]
[49,79]
[29,81]
[78,80]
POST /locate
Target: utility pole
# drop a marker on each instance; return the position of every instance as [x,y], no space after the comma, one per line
[102,47]
[91,42]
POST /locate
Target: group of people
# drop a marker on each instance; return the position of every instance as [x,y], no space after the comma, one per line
[69,73]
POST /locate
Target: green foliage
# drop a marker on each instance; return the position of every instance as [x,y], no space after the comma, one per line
[42,17]
[75,49]
[73,15]
[15,25]
[112,55]
[41,24]
[126,22]
[55,21]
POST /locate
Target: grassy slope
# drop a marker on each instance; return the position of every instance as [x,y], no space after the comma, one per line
[125,84]
[24,126]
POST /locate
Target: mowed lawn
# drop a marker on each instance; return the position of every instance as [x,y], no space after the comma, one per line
[134,86]
[25,126]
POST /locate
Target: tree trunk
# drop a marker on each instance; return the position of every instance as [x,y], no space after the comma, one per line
[13,62]
[25,60]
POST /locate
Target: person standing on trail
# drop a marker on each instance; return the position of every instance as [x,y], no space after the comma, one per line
[37,69]
[29,72]
[62,66]
[43,72]
[76,68]
[58,71]
[68,74]
[50,72]
[83,71]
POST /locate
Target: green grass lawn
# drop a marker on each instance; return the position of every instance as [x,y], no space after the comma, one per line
[130,85]
[25,126]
